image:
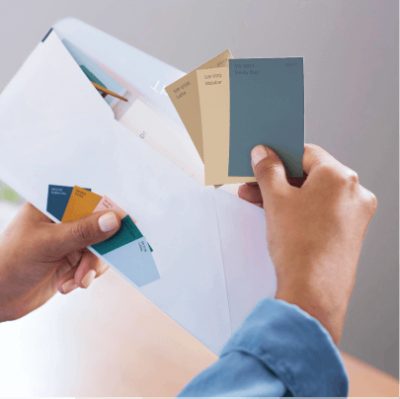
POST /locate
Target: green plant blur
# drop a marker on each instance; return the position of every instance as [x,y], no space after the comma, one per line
[7,194]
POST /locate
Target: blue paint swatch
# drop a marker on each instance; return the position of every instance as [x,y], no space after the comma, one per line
[57,200]
[266,107]
[135,261]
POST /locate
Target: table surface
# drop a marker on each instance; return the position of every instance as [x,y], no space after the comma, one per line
[109,340]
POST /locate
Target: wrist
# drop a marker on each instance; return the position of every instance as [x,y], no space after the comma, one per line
[317,304]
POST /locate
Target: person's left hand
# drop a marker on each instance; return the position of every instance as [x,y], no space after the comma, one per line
[38,257]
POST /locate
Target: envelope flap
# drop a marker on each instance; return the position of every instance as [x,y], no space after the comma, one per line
[67,137]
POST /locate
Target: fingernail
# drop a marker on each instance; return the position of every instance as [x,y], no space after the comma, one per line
[258,153]
[108,222]
[88,278]
[102,268]
[69,286]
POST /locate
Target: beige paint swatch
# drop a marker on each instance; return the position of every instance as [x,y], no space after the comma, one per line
[184,95]
[213,88]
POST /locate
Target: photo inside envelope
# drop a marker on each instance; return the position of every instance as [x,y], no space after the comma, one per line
[107,86]
[138,115]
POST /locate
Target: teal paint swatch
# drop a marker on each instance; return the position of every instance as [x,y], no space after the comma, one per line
[91,76]
[126,234]
[266,107]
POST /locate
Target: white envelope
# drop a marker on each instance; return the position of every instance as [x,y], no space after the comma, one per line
[209,246]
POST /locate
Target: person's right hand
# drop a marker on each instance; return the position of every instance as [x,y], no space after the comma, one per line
[314,232]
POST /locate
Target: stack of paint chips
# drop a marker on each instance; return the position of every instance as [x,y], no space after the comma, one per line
[127,250]
[228,106]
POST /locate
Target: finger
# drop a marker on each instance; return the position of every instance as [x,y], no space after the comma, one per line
[74,258]
[269,172]
[87,270]
[101,268]
[251,183]
[314,156]
[63,272]
[250,193]
[74,236]
[297,181]
[67,282]
[369,199]
[319,164]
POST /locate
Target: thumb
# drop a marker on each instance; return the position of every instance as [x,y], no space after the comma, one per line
[77,235]
[269,172]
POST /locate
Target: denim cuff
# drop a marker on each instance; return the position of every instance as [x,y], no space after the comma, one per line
[294,346]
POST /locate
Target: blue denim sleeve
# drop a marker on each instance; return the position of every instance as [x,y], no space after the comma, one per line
[280,350]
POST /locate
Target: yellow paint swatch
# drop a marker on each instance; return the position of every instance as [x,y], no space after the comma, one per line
[213,86]
[81,203]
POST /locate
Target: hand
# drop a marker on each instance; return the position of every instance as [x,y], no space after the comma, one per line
[38,257]
[314,232]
